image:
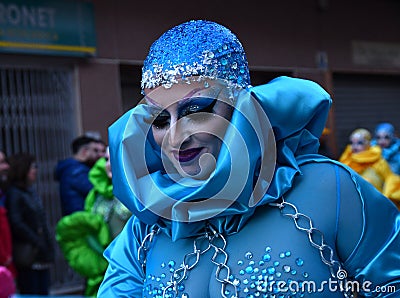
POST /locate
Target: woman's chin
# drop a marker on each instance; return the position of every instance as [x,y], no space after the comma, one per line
[196,172]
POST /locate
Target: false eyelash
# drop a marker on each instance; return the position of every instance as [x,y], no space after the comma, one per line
[207,109]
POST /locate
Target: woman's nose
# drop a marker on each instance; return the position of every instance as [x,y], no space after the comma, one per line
[178,132]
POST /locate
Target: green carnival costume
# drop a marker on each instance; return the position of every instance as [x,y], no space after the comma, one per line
[83,235]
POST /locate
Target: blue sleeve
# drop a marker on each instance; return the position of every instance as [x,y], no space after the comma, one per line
[374,258]
[124,276]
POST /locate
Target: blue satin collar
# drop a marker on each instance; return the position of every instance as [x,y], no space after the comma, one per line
[392,150]
[256,165]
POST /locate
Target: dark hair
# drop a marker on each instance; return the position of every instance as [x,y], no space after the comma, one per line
[81,141]
[20,165]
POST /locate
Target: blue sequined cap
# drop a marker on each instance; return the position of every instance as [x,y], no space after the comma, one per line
[196,48]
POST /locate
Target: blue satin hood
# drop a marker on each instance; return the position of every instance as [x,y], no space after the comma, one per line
[256,165]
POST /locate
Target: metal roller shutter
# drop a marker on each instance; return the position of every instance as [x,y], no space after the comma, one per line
[364,101]
[38,116]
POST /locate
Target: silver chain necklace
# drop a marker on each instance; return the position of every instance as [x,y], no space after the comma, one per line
[316,238]
[210,240]
[216,241]
[145,247]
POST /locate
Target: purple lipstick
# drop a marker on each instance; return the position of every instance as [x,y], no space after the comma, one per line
[189,154]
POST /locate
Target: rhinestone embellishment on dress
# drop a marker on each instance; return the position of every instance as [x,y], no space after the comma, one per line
[256,276]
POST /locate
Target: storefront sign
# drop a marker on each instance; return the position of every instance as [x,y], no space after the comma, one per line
[47,27]
[376,54]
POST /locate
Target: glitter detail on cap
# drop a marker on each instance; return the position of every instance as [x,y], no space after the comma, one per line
[196,48]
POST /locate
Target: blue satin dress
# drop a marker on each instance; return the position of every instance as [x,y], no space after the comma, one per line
[268,253]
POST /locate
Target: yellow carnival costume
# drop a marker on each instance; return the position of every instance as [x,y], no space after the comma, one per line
[372,167]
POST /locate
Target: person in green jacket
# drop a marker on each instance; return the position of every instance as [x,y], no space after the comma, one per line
[83,235]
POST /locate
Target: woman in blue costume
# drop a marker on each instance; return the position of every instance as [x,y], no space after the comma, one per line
[229,194]
[385,138]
